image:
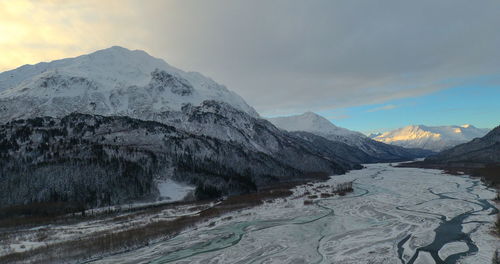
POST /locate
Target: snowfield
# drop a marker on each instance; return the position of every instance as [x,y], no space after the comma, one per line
[112,81]
[395,215]
[173,191]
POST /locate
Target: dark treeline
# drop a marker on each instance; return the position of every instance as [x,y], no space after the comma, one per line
[83,161]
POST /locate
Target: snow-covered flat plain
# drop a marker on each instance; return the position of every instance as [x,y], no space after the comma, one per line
[395,215]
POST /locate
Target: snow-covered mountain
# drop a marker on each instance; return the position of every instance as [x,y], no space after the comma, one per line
[99,160]
[87,121]
[436,138]
[316,124]
[113,81]
[484,150]
[116,123]
[478,157]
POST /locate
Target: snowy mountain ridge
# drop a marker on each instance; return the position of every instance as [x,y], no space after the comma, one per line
[483,150]
[123,159]
[316,124]
[311,122]
[436,138]
[113,81]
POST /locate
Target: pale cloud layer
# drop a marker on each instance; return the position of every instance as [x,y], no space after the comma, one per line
[382,108]
[281,56]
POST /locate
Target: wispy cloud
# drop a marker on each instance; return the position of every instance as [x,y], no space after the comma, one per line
[339,116]
[382,108]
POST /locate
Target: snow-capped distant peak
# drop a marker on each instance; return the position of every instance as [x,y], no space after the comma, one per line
[113,81]
[316,124]
[434,138]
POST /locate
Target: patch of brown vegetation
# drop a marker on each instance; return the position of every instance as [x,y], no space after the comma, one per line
[135,237]
[308,202]
[38,214]
[489,173]
[497,225]
[106,242]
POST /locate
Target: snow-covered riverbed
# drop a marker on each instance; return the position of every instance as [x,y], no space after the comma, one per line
[393,216]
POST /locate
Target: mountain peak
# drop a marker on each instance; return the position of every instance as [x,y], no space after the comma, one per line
[118,48]
[112,81]
[308,121]
[311,122]
[434,138]
[114,49]
[121,51]
[310,113]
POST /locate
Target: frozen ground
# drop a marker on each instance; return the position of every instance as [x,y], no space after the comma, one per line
[395,215]
[24,239]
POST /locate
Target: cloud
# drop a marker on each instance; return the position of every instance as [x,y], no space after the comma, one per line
[34,31]
[281,56]
[382,108]
[339,116]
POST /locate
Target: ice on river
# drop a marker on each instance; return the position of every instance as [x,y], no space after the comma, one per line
[395,215]
[452,248]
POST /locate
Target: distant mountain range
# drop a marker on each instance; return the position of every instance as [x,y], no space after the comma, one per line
[478,157]
[318,125]
[104,128]
[435,138]
[484,150]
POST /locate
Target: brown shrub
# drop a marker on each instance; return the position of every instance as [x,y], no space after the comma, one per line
[326,195]
[109,241]
[308,202]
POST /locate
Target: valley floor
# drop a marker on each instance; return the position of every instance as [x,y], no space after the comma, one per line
[394,215]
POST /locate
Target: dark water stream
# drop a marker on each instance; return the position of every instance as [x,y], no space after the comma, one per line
[450,231]
[236,231]
[321,226]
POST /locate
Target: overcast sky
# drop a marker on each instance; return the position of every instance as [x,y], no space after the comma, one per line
[283,57]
